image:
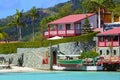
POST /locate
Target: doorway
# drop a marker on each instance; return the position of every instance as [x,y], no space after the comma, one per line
[54,57]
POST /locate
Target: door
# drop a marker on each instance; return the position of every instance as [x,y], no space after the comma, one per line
[54,58]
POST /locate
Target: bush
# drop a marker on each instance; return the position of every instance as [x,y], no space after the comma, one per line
[89,54]
[12,47]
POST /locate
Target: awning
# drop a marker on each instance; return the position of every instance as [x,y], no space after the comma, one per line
[70,55]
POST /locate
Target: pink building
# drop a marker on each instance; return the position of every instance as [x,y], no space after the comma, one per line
[69,25]
[108,43]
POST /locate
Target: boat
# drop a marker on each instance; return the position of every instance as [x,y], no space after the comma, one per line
[68,65]
[79,61]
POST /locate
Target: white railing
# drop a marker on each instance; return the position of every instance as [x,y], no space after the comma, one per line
[61,32]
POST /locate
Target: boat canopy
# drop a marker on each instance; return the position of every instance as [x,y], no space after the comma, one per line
[70,55]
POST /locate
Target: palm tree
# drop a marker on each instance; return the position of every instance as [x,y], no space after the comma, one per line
[104,4]
[97,5]
[33,14]
[3,35]
[18,22]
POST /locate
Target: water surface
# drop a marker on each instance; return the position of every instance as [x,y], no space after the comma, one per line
[61,76]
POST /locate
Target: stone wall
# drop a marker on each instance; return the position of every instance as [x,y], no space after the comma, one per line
[33,57]
[9,57]
[75,47]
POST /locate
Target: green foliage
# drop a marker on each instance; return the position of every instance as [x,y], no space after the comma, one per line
[20,60]
[62,9]
[78,11]
[12,47]
[86,24]
[44,22]
[17,21]
[116,9]
[33,14]
[93,5]
[3,35]
[89,54]
[65,10]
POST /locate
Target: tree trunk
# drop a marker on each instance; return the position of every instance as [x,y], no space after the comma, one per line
[20,35]
[99,18]
[112,17]
[33,30]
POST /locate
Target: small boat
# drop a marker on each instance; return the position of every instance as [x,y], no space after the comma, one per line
[79,61]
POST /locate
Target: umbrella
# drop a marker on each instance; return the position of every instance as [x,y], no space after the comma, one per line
[55,38]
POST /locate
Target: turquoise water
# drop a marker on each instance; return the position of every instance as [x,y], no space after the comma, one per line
[61,76]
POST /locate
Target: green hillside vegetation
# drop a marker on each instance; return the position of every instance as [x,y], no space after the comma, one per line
[36,21]
[12,47]
[58,11]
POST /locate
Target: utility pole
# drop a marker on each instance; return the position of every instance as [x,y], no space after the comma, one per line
[51,57]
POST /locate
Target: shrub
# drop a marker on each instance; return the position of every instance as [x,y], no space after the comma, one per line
[12,47]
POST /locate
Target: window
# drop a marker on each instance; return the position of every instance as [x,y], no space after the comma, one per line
[100,52]
[52,27]
[115,38]
[68,26]
[78,26]
[114,52]
[101,38]
[108,38]
[60,27]
[107,52]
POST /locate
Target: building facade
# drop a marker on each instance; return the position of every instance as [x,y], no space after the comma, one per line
[108,43]
[69,25]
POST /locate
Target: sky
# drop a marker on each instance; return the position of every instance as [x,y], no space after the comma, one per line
[8,7]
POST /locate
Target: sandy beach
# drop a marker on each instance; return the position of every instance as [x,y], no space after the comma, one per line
[19,69]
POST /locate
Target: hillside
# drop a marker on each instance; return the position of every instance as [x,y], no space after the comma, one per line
[27,30]
[74,7]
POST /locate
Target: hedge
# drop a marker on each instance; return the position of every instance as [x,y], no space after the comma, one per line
[8,48]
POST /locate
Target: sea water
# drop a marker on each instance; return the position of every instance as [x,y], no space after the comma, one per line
[61,76]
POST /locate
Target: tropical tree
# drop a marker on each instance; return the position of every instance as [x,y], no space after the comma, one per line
[89,54]
[3,35]
[18,22]
[87,25]
[44,23]
[34,15]
[97,5]
[115,10]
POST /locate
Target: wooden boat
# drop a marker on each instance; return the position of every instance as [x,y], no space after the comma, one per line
[79,61]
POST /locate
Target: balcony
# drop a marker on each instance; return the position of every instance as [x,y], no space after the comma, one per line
[114,44]
[62,33]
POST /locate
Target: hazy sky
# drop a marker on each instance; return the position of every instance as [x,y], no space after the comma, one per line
[8,7]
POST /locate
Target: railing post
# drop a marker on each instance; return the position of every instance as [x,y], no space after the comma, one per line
[48,30]
[105,41]
[98,41]
[65,30]
[74,29]
[119,39]
[112,40]
[57,29]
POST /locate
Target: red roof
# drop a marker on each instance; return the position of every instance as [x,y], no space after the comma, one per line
[114,31]
[71,18]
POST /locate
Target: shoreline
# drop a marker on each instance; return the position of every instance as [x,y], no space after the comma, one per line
[27,69]
[21,69]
